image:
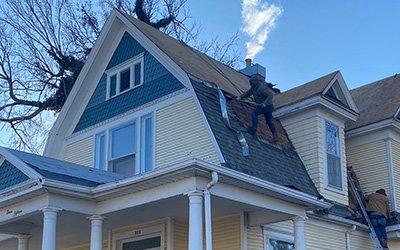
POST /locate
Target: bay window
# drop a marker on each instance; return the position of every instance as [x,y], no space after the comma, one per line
[333,157]
[128,148]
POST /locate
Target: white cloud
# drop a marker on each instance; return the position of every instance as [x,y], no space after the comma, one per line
[258,19]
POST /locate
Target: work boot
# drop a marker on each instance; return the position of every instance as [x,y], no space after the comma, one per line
[384,243]
[252,131]
[275,138]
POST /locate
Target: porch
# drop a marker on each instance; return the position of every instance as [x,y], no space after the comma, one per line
[160,210]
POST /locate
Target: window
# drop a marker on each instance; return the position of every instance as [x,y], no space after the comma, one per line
[100,152]
[277,240]
[117,149]
[274,244]
[124,77]
[147,143]
[122,150]
[334,168]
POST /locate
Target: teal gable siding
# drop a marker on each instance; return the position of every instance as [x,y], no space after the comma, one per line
[10,175]
[158,82]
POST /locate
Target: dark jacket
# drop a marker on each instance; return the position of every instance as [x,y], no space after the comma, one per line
[261,93]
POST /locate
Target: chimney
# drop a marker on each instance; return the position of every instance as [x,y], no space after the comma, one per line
[248,62]
[253,69]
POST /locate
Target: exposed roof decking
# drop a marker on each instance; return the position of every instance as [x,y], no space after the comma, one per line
[376,101]
[266,161]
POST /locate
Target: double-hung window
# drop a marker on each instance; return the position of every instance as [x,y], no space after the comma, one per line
[124,77]
[334,165]
[127,148]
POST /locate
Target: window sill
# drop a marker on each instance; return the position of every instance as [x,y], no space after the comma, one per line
[336,190]
[123,92]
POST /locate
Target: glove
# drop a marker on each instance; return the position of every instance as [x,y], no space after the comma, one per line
[263,105]
[238,98]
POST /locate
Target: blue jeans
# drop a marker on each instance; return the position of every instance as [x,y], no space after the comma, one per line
[267,112]
[379,221]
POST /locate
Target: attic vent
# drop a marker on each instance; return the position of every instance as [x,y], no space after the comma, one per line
[225,116]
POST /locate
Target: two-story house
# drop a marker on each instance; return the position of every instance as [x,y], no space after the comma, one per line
[150,151]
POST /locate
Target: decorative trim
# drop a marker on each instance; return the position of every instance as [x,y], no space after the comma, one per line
[392,185]
[373,127]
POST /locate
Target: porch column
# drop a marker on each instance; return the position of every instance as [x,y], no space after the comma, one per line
[96,233]
[23,241]
[49,228]
[299,240]
[195,220]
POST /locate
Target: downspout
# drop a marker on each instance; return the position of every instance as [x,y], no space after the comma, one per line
[347,233]
[207,210]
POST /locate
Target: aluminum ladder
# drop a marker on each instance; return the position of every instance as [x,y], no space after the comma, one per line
[351,179]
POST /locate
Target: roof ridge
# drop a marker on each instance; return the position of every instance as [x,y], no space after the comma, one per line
[333,73]
[382,80]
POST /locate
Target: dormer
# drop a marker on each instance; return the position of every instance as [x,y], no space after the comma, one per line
[314,116]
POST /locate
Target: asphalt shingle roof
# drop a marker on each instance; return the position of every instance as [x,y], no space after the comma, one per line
[376,101]
[280,165]
[65,171]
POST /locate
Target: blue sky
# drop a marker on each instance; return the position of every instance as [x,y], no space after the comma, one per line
[361,38]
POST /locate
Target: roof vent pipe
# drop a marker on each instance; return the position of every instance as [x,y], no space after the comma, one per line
[248,62]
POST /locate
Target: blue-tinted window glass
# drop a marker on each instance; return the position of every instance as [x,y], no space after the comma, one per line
[123,141]
[333,155]
[147,143]
[138,72]
[113,85]
[100,152]
[125,80]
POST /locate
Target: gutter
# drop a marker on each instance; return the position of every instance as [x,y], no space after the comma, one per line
[207,209]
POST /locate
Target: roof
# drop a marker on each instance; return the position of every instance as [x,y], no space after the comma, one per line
[279,165]
[194,62]
[304,91]
[376,101]
[58,170]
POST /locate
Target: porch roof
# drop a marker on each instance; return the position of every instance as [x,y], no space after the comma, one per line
[53,169]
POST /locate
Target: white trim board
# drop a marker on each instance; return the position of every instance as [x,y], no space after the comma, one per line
[114,27]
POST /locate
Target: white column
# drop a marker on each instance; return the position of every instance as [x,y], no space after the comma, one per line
[96,233]
[299,240]
[49,228]
[23,241]
[195,220]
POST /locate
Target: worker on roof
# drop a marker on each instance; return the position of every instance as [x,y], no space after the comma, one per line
[379,212]
[263,96]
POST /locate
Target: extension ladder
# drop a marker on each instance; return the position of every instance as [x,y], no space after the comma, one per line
[356,192]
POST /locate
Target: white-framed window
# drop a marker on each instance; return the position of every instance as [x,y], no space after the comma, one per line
[127,148]
[124,77]
[276,240]
[334,175]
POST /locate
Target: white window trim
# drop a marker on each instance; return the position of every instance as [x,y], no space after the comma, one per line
[103,133]
[133,122]
[138,234]
[339,190]
[107,131]
[276,235]
[116,70]
[142,166]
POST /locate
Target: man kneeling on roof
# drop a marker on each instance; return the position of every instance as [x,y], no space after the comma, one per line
[379,212]
[263,96]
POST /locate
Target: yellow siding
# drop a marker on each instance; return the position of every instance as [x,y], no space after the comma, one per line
[226,233]
[255,238]
[284,226]
[307,136]
[361,242]
[80,152]
[396,169]
[394,245]
[180,235]
[182,135]
[370,164]
[323,238]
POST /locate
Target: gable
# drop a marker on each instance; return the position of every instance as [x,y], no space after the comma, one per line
[10,175]
[336,94]
[157,82]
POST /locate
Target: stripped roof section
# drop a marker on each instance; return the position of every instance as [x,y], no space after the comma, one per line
[54,169]
[276,164]
[376,101]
